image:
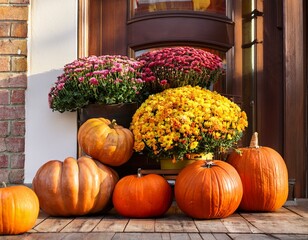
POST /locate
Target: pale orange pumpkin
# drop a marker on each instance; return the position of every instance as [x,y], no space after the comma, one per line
[207,190]
[142,196]
[264,176]
[106,141]
[19,209]
[74,187]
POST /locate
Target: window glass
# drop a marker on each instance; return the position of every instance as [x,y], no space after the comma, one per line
[142,7]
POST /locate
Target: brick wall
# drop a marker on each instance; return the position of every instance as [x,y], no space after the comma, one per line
[13,83]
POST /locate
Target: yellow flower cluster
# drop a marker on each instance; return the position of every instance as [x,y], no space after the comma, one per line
[187,120]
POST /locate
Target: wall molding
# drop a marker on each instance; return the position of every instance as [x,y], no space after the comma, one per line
[83,29]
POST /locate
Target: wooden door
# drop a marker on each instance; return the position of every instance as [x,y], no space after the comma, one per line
[274,98]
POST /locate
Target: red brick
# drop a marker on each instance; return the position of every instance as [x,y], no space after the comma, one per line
[18,96]
[17,161]
[12,112]
[5,63]
[4,175]
[2,145]
[13,12]
[15,144]
[19,64]
[19,1]
[4,161]
[16,176]
[5,29]
[18,128]
[9,80]
[19,29]
[13,46]
[4,96]
[4,128]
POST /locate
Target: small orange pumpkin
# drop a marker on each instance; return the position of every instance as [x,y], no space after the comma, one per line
[106,141]
[74,187]
[207,190]
[264,176]
[19,209]
[141,196]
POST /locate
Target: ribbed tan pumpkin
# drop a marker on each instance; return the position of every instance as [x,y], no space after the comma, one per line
[207,190]
[264,176]
[74,187]
[19,209]
[106,141]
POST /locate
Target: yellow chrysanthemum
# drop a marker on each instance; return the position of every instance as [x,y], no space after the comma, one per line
[187,118]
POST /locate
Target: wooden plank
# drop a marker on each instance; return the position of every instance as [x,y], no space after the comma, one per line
[299,210]
[207,236]
[89,236]
[14,237]
[281,221]
[82,224]
[194,236]
[111,223]
[252,237]
[284,226]
[183,236]
[140,225]
[41,217]
[175,223]
[53,224]
[290,236]
[67,236]
[236,224]
[215,236]
[280,213]
[210,226]
[137,236]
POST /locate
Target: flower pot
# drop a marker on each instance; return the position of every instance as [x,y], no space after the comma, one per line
[190,158]
[121,112]
[168,163]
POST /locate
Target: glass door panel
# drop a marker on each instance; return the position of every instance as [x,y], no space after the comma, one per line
[143,7]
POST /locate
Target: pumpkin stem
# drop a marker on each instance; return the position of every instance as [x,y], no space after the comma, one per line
[139,174]
[3,185]
[254,142]
[113,123]
[209,164]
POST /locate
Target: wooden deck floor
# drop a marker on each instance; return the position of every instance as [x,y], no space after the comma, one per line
[289,222]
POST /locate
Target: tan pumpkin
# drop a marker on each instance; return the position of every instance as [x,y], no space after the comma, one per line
[74,187]
[106,141]
[264,176]
[208,189]
[19,209]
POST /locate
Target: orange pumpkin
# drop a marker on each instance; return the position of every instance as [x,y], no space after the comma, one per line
[19,209]
[106,141]
[207,190]
[264,175]
[142,196]
[74,187]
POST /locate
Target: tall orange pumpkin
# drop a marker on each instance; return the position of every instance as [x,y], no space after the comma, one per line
[207,190]
[141,196]
[19,209]
[106,141]
[264,175]
[74,187]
